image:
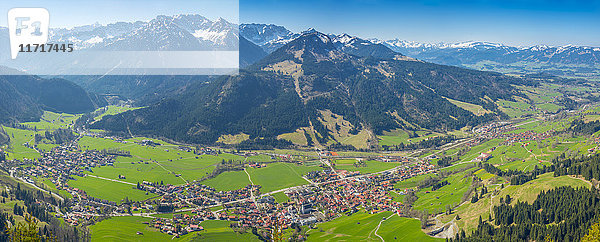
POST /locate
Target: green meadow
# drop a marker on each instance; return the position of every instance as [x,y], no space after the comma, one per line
[228,181]
[280,175]
[449,194]
[53,121]
[126,228]
[528,192]
[372,166]
[361,226]
[109,190]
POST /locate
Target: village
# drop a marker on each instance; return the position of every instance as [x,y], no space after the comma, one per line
[330,194]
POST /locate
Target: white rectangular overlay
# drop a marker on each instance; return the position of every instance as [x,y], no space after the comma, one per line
[114,37]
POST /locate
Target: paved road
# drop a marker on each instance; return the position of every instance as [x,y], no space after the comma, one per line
[36,187]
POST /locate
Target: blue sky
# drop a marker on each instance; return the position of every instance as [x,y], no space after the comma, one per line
[513,22]
[69,13]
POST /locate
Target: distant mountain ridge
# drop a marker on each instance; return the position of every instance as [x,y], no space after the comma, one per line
[469,52]
[177,32]
[472,52]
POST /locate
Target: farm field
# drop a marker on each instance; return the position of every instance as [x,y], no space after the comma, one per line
[18,138]
[401,136]
[280,175]
[372,166]
[165,162]
[220,231]
[403,229]
[273,177]
[108,190]
[227,181]
[52,121]
[136,172]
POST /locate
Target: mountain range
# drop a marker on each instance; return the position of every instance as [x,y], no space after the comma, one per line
[176,33]
[271,37]
[325,88]
[314,78]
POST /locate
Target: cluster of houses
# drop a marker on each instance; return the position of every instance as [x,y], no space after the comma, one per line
[330,194]
[527,136]
[503,131]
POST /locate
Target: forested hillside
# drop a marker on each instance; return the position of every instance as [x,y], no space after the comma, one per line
[23,97]
[287,89]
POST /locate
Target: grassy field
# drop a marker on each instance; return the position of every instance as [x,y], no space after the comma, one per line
[52,121]
[280,197]
[372,166]
[280,175]
[515,109]
[165,162]
[109,190]
[125,229]
[470,212]
[298,136]
[233,139]
[361,226]
[136,172]
[473,108]
[400,136]
[18,138]
[403,229]
[411,182]
[220,231]
[228,181]
[273,177]
[112,110]
[450,194]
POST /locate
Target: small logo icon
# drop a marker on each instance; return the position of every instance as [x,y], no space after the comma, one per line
[27,26]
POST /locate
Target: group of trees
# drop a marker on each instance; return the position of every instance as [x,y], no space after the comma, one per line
[560,214]
[480,195]
[578,126]
[588,167]
[35,211]
[518,177]
[264,144]
[439,185]
[423,144]
[4,138]
[522,179]
[445,161]
[59,136]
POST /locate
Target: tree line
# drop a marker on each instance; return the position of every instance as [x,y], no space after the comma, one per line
[560,214]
